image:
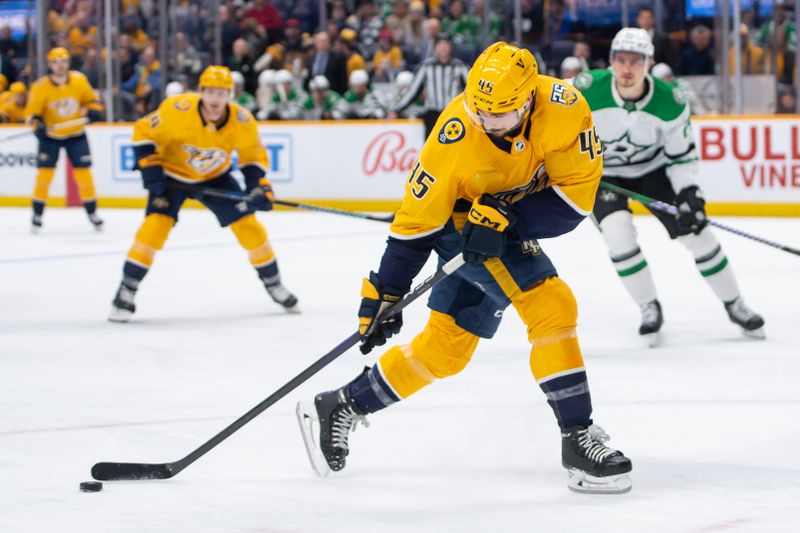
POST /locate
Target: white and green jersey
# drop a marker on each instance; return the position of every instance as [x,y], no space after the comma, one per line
[643,136]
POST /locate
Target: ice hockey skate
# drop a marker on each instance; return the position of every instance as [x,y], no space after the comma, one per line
[652,320]
[122,307]
[752,323]
[36,224]
[96,221]
[593,467]
[326,425]
[281,296]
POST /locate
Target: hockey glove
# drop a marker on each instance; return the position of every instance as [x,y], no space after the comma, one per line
[374,300]
[39,129]
[94,116]
[691,210]
[485,230]
[262,197]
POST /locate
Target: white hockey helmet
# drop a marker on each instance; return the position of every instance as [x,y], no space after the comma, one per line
[661,71]
[359,77]
[404,78]
[319,83]
[634,40]
[238,77]
[266,78]
[283,76]
[173,88]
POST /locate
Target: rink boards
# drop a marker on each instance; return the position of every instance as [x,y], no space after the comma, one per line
[749,165]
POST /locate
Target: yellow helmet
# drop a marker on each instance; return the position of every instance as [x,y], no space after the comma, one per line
[57,53]
[500,80]
[17,88]
[216,76]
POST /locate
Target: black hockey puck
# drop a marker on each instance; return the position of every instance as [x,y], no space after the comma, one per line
[91,486]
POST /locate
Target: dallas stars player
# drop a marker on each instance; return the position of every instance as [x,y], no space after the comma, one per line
[507,167]
[58,107]
[189,139]
[646,131]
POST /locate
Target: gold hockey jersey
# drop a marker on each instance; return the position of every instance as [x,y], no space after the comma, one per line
[192,150]
[59,103]
[555,147]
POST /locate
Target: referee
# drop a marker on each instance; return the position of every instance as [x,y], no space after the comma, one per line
[441,77]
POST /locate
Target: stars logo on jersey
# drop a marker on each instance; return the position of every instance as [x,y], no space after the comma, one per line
[583,81]
[65,107]
[623,151]
[562,94]
[183,105]
[679,96]
[452,131]
[204,160]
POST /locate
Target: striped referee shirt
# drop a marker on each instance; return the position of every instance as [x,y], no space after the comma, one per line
[441,81]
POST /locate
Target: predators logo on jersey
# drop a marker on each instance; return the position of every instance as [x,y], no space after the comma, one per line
[64,107]
[192,150]
[452,131]
[205,160]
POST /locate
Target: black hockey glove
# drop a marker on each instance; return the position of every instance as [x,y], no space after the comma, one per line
[691,210]
[374,300]
[39,129]
[485,230]
[94,116]
[262,197]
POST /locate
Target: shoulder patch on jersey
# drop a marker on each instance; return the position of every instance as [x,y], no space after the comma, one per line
[183,105]
[679,96]
[561,94]
[583,81]
[242,116]
[452,131]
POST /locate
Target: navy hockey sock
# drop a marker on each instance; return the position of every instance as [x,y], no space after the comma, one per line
[370,392]
[570,399]
[38,207]
[90,206]
[269,273]
[132,275]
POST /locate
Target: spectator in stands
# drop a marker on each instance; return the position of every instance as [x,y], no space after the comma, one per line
[347,45]
[137,38]
[388,58]
[266,16]
[329,63]
[339,14]
[145,83]
[646,20]
[462,27]
[287,102]
[664,72]
[82,36]
[322,103]
[185,58]
[433,29]
[13,109]
[230,29]
[240,96]
[583,52]
[242,60]
[495,23]
[367,24]
[9,48]
[787,102]
[779,36]
[91,67]
[696,59]
[255,34]
[359,101]
[752,57]
[414,32]
[571,67]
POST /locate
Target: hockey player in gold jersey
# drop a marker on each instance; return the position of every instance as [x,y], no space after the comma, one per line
[512,159]
[13,109]
[190,140]
[59,105]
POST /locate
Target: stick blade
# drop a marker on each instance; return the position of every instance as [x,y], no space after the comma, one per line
[131,471]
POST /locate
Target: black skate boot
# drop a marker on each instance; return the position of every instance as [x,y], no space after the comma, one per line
[281,296]
[36,223]
[335,416]
[751,323]
[96,221]
[652,320]
[594,467]
[122,307]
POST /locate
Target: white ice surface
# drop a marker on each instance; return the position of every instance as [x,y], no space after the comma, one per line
[711,420]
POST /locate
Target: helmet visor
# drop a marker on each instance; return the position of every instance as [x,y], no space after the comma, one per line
[497,123]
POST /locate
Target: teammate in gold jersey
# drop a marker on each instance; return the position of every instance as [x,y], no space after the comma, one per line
[512,159]
[190,140]
[13,109]
[59,105]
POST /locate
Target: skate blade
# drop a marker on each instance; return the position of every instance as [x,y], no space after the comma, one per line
[652,339]
[98,228]
[119,315]
[293,310]
[587,484]
[35,230]
[307,418]
[755,333]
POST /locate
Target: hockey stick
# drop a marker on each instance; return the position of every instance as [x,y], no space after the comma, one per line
[207,191]
[57,127]
[136,471]
[672,210]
